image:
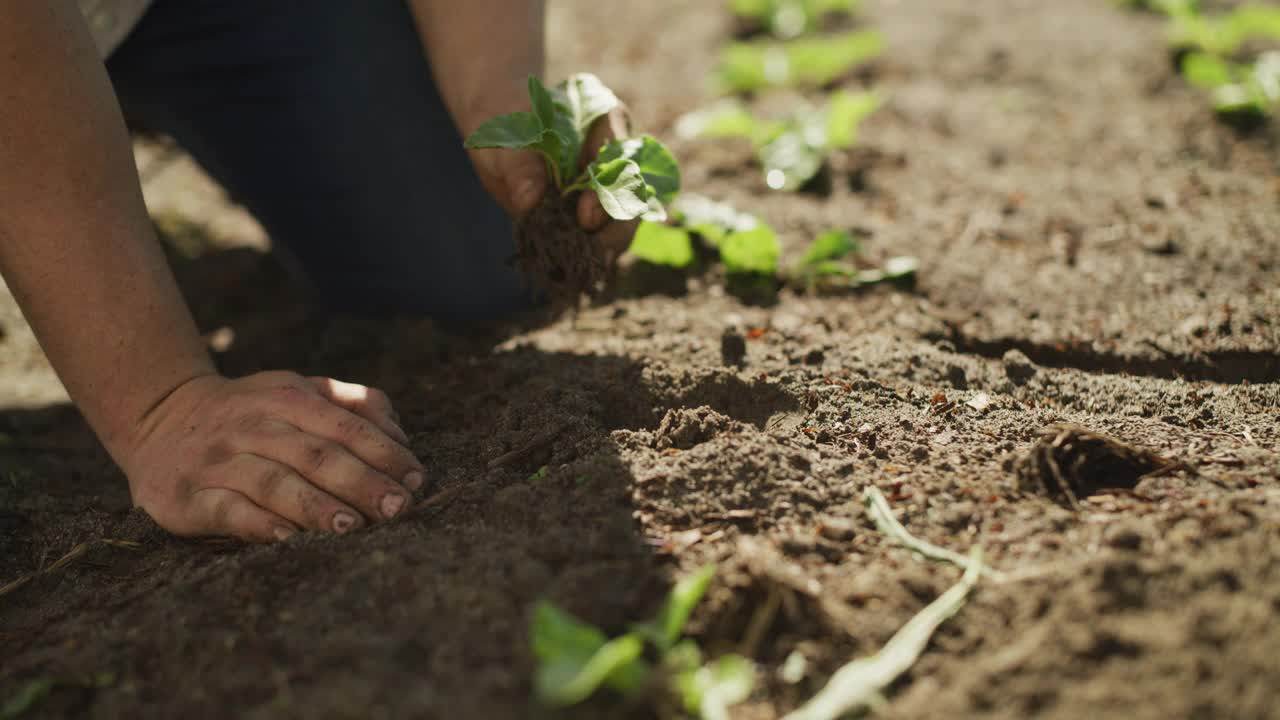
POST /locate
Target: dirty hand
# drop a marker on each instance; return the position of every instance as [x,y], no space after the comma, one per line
[261,457]
[518,180]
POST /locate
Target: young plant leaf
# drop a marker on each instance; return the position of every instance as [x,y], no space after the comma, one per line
[727,118]
[903,266]
[709,691]
[845,112]
[516,131]
[25,699]
[586,99]
[808,62]
[789,18]
[791,160]
[709,219]
[830,245]
[623,193]
[751,252]
[1207,71]
[657,164]
[662,244]
[665,629]
[576,659]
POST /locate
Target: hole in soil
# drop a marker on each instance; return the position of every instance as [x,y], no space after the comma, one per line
[1069,462]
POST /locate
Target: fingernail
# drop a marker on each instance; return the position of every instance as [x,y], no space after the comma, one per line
[414,480]
[282,533]
[528,193]
[343,521]
[391,504]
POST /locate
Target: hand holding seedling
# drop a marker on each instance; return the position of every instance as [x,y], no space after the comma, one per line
[519,180]
[583,169]
[261,457]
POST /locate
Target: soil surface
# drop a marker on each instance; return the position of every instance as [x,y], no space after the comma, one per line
[1098,254]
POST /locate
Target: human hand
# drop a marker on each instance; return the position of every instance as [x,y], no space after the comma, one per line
[261,457]
[518,180]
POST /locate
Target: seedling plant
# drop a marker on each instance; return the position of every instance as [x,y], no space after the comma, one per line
[817,61]
[576,659]
[1210,50]
[750,251]
[788,19]
[793,151]
[633,178]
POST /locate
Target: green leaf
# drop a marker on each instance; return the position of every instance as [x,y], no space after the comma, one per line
[712,220]
[575,659]
[845,112]
[621,188]
[809,62]
[658,166]
[517,131]
[663,245]
[544,106]
[789,18]
[751,252]
[27,698]
[560,142]
[587,99]
[830,245]
[727,118]
[664,630]
[1207,71]
[792,159]
[710,691]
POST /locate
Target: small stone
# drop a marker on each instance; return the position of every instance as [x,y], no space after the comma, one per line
[815,357]
[920,453]
[1018,367]
[837,529]
[957,377]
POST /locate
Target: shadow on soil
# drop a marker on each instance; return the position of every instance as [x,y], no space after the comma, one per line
[426,616]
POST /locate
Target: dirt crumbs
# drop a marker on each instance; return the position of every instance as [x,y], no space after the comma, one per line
[1083,383]
[556,255]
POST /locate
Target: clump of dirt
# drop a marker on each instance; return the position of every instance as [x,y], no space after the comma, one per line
[1069,462]
[557,255]
[684,428]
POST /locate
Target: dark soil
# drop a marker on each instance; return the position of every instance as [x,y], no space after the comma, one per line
[1097,252]
[556,255]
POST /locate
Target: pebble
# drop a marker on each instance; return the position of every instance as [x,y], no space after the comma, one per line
[1018,366]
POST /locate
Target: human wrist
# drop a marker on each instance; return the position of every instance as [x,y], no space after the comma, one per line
[125,426]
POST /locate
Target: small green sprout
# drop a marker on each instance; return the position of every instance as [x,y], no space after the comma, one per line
[791,152]
[821,267]
[1237,89]
[806,62]
[633,177]
[746,245]
[541,474]
[576,659]
[789,18]
[1223,34]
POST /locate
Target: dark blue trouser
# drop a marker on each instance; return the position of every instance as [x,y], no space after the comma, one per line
[322,118]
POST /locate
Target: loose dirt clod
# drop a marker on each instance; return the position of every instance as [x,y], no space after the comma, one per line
[556,255]
[1070,462]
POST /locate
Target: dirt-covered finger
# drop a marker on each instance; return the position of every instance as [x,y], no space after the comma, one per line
[220,511]
[369,403]
[330,467]
[279,488]
[323,419]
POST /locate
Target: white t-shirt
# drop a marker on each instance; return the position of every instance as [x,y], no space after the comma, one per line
[110,21]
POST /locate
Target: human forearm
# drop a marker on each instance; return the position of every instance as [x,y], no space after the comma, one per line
[76,247]
[482,53]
